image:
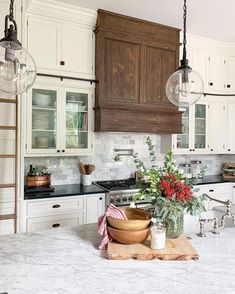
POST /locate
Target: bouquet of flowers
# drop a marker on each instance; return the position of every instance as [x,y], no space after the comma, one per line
[169,191]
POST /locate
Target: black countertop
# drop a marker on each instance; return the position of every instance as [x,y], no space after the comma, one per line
[215,179]
[66,190]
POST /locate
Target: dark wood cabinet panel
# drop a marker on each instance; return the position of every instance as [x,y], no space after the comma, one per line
[160,64]
[122,71]
[134,59]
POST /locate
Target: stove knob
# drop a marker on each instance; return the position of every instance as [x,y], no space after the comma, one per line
[130,198]
[111,199]
[124,198]
[118,199]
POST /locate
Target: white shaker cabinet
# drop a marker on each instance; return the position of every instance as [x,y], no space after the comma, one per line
[216,72]
[94,208]
[199,64]
[217,126]
[59,118]
[41,214]
[230,74]
[44,42]
[60,47]
[230,127]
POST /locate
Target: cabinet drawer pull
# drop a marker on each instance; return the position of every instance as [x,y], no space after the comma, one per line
[101,198]
[56,206]
[228,86]
[211,190]
[211,84]
[55,225]
[62,62]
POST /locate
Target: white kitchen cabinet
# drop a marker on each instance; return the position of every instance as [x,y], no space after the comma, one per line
[94,208]
[194,136]
[60,47]
[216,72]
[217,127]
[40,214]
[230,128]
[44,42]
[50,222]
[230,74]
[199,64]
[59,119]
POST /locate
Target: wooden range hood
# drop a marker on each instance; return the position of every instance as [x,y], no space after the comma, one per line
[134,59]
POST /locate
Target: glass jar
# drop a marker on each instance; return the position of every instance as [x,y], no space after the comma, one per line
[175,226]
[186,167]
[196,166]
[158,237]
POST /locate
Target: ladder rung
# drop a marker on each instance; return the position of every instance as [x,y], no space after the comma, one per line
[7,156]
[7,127]
[7,185]
[7,216]
[5,100]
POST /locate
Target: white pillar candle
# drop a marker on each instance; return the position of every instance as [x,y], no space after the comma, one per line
[158,237]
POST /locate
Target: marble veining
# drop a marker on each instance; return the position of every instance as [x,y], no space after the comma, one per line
[66,261]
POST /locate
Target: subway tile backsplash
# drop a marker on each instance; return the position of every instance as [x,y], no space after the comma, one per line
[65,171]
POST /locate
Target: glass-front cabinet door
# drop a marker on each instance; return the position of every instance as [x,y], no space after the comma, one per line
[77,120]
[59,120]
[183,139]
[42,118]
[200,126]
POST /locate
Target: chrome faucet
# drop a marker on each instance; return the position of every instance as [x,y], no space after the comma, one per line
[228,213]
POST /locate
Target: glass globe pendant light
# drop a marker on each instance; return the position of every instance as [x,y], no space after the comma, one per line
[17,67]
[185,86]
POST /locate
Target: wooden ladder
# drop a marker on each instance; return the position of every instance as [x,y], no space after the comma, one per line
[15,156]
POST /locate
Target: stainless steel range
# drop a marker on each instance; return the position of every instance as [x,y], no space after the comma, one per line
[121,192]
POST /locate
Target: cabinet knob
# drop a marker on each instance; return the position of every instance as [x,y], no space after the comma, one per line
[190,150]
[193,149]
[62,62]
[229,149]
[211,190]
[212,149]
[101,198]
[56,206]
[211,84]
[228,86]
[63,150]
[55,225]
[58,151]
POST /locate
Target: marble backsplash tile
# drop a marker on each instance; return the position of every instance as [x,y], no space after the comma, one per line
[65,171]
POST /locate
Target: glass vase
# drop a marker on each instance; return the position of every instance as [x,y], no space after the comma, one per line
[174,228]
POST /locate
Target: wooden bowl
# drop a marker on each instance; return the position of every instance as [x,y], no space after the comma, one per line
[138,219]
[128,237]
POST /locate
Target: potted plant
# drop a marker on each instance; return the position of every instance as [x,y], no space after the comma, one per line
[170,192]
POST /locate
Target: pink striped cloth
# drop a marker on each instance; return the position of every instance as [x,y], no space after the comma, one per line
[115,212]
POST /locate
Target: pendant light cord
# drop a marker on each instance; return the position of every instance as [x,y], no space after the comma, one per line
[184,32]
[11,10]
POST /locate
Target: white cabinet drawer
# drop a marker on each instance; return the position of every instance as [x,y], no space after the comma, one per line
[6,227]
[44,223]
[54,207]
[218,191]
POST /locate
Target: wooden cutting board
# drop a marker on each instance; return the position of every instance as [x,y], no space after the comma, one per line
[176,249]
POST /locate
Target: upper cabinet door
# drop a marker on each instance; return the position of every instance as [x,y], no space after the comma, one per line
[215,73]
[44,42]
[77,49]
[199,64]
[230,74]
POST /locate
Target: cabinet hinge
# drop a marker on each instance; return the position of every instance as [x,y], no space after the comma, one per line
[26,146]
[209,58]
[224,107]
[91,146]
[208,106]
[208,146]
[224,61]
[223,146]
[27,22]
[21,8]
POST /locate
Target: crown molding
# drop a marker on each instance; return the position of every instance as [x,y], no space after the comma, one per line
[62,11]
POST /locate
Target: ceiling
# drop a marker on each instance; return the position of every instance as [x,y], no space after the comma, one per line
[213,19]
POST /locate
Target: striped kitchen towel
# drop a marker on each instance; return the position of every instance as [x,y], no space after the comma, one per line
[115,212]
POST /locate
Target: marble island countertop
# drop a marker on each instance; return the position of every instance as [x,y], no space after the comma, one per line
[66,261]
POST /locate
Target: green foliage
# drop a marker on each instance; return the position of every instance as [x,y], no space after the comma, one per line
[148,185]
